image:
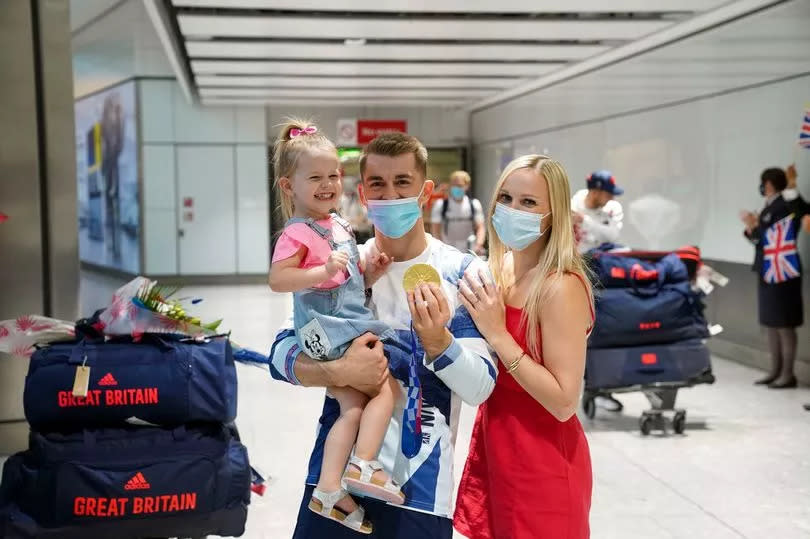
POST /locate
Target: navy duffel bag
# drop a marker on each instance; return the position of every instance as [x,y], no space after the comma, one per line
[128,482]
[624,270]
[613,368]
[635,316]
[160,379]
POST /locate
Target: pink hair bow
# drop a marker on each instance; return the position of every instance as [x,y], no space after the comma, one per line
[308,130]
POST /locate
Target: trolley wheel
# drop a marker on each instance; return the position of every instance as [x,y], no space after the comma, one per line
[679,422]
[645,424]
[589,407]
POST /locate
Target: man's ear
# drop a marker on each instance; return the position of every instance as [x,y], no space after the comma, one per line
[286,185]
[362,194]
[427,191]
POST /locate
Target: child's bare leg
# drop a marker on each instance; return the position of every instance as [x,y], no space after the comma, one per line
[339,442]
[374,423]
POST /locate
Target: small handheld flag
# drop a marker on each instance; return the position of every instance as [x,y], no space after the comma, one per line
[780,258]
[804,132]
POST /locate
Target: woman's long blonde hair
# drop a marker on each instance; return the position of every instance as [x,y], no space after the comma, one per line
[287,151]
[560,256]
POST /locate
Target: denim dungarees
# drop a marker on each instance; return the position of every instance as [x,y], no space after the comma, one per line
[328,320]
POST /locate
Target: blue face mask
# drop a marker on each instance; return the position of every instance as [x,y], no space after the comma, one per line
[395,218]
[517,229]
[457,192]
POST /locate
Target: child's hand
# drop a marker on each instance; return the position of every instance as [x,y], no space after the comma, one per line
[376,265]
[337,262]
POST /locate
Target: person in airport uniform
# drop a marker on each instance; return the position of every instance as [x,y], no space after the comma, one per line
[450,361]
[597,221]
[459,217]
[806,228]
[528,474]
[774,233]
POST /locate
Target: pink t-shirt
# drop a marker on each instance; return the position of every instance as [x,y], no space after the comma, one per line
[298,235]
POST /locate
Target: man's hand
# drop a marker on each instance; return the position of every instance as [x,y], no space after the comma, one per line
[430,313]
[363,366]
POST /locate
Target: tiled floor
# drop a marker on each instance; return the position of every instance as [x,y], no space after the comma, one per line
[741,471]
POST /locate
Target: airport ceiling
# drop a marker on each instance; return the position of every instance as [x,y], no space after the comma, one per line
[464,53]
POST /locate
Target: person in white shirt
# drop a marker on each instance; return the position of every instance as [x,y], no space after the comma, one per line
[597,221]
[459,217]
[597,216]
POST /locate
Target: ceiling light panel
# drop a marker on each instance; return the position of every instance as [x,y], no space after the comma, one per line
[349,102]
[377,51]
[355,82]
[413,28]
[341,92]
[463,6]
[381,69]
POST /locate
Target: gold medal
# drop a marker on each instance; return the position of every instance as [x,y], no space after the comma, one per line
[418,274]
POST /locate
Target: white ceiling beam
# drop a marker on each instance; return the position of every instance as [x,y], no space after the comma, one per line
[317,102]
[377,51]
[413,29]
[689,27]
[161,20]
[342,92]
[355,82]
[463,6]
[349,69]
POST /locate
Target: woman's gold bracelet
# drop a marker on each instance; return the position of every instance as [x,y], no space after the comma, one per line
[514,365]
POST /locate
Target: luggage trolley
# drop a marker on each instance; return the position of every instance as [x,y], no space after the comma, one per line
[651,335]
[662,413]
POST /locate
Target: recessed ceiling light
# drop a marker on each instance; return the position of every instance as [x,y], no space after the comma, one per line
[354,42]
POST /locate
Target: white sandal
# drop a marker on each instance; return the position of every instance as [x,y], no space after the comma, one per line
[323,503]
[362,482]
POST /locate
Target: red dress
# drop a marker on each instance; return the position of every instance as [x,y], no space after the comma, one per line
[528,475]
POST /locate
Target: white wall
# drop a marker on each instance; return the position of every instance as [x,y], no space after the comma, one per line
[170,124]
[704,157]
[434,126]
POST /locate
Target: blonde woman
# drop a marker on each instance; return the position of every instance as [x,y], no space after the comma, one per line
[528,474]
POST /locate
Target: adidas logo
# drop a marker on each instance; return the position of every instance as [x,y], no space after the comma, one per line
[108,380]
[138,482]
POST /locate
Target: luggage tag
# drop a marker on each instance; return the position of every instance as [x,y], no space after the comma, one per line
[715,329]
[719,278]
[705,286]
[82,380]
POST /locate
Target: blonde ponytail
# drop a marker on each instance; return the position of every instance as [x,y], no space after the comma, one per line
[295,137]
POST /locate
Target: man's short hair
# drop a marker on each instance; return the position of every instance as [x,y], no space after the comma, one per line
[394,145]
[463,174]
[776,177]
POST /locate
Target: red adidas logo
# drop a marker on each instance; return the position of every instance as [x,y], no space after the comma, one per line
[138,482]
[108,380]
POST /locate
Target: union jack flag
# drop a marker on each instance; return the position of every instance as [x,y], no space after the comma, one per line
[780,257]
[804,133]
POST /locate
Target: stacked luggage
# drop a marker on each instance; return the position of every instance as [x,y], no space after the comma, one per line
[141,445]
[650,330]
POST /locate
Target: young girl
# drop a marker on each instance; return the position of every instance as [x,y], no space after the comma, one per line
[317,259]
[536,316]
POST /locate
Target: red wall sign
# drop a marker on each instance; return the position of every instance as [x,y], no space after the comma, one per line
[367,130]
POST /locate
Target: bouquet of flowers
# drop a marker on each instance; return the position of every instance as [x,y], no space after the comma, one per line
[142,306]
